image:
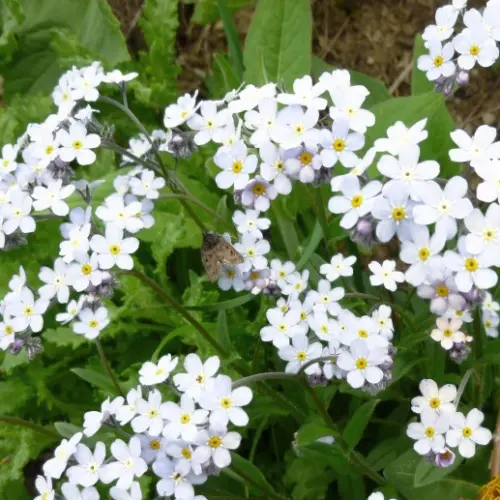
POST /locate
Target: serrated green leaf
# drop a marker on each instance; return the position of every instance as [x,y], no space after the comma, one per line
[96,379]
[354,429]
[13,395]
[278,43]
[10,362]
[63,336]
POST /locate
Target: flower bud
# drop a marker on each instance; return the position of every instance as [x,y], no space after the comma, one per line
[181,145]
[462,78]
[16,347]
[459,352]
[317,380]
[363,232]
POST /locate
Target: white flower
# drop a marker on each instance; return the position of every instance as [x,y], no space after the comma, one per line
[475,46]
[17,213]
[466,432]
[382,317]
[262,122]
[85,272]
[251,96]
[253,250]
[77,144]
[78,217]
[363,327]
[116,76]
[178,113]
[355,201]
[134,493]
[258,194]
[229,134]
[125,413]
[225,404]
[231,277]
[299,353]
[443,207]
[128,465]
[87,80]
[339,266]
[199,376]
[481,146]
[361,363]
[113,249]
[52,197]
[56,465]
[323,326]
[385,274]
[326,298]
[215,444]
[92,420]
[72,492]
[27,312]
[273,167]
[182,452]
[490,323]
[183,419]
[153,374]
[138,147]
[331,368]
[378,496]
[448,332]
[236,166]
[488,20]
[296,127]
[471,269]
[420,251]
[91,322]
[147,185]
[435,399]
[121,215]
[72,309]
[484,232]
[339,145]
[150,414]
[439,62]
[176,479]
[295,284]
[208,122]
[77,243]
[8,160]
[394,210]
[446,17]
[428,433]
[7,333]
[90,465]
[57,282]
[304,93]
[303,162]
[152,447]
[347,106]
[44,487]
[489,190]
[250,222]
[400,137]
[283,326]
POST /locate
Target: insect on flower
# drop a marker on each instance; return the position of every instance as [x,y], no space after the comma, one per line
[216,251]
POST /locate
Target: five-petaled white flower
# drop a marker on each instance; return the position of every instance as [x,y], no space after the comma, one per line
[77,144]
[385,274]
[438,400]
[466,432]
[113,249]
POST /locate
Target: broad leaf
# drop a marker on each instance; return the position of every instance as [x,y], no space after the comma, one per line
[354,429]
[419,82]
[99,380]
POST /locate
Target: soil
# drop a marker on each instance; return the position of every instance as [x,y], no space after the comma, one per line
[372,36]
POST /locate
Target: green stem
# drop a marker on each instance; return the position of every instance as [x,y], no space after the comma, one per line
[105,363]
[258,377]
[478,334]
[305,366]
[400,310]
[180,309]
[318,205]
[30,425]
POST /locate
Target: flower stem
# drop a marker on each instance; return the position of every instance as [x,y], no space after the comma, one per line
[258,377]
[318,206]
[180,309]
[305,366]
[30,425]
[105,363]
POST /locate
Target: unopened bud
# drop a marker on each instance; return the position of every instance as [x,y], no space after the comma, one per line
[462,78]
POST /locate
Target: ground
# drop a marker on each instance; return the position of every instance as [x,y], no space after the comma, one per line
[372,36]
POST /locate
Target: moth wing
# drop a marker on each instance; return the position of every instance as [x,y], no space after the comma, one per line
[211,264]
[228,254]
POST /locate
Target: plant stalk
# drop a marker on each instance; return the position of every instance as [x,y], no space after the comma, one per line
[107,367]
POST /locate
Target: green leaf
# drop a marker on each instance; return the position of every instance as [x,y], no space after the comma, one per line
[386,452]
[278,43]
[410,110]
[36,66]
[311,432]
[352,486]
[66,430]
[223,331]
[427,473]
[286,227]
[311,246]
[222,78]
[11,17]
[327,454]
[10,361]
[207,11]
[225,305]
[492,353]
[13,395]
[96,379]
[63,336]
[377,88]
[243,467]
[354,429]
[232,37]
[419,82]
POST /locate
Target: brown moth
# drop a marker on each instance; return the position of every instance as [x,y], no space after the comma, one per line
[216,251]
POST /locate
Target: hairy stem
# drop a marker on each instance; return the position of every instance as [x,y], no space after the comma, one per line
[105,363]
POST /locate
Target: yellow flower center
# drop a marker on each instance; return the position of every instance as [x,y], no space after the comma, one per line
[487,323]
[86,269]
[114,249]
[299,129]
[363,334]
[210,123]
[357,201]
[429,432]
[305,158]
[489,234]
[471,264]
[424,253]
[154,444]
[398,213]
[153,413]
[200,379]
[361,363]
[184,114]
[49,150]
[237,167]
[435,403]
[303,316]
[93,468]
[466,432]
[447,332]
[338,145]
[442,291]
[28,311]
[77,144]
[250,252]
[230,273]
[9,330]
[438,61]
[185,418]
[6,163]
[279,165]
[93,323]
[214,442]
[226,403]
[186,453]
[254,275]
[258,189]
[301,356]
[474,50]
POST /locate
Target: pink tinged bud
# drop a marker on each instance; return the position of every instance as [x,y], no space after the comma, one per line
[444,459]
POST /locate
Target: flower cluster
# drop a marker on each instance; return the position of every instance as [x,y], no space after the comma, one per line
[442,426]
[182,443]
[452,56]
